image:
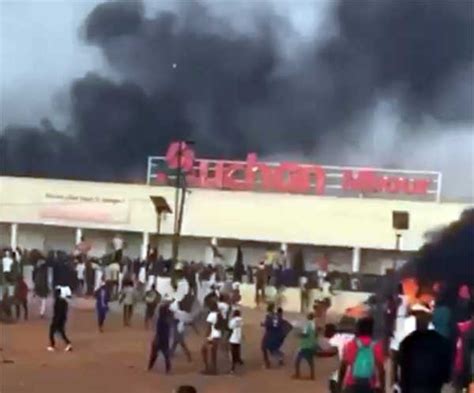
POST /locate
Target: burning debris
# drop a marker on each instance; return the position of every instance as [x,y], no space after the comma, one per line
[445,263]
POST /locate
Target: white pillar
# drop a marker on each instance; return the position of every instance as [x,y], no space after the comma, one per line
[284,247]
[78,235]
[14,236]
[356,260]
[145,242]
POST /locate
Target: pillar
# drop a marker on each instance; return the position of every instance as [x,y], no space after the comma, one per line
[209,253]
[356,260]
[78,236]
[145,242]
[14,236]
[284,260]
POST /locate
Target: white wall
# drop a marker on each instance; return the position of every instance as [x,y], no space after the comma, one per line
[30,236]
[4,235]
[245,216]
[57,238]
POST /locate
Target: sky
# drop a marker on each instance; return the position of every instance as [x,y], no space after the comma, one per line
[42,49]
[44,52]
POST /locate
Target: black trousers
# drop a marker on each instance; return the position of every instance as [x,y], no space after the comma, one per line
[118,255]
[156,348]
[54,328]
[18,306]
[235,354]
[127,314]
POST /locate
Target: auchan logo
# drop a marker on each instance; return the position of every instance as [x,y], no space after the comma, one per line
[179,154]
[285,177]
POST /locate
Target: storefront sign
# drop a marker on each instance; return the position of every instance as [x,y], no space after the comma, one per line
[290,177]
[83,208]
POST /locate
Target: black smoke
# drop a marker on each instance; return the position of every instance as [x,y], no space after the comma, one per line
[189,74]
[447,257]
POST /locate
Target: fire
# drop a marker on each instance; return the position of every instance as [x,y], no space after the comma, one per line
[412,291]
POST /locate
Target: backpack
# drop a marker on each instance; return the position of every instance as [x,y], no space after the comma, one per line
[364,364]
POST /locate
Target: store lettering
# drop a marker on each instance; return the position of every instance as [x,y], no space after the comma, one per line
[371,182]
[254,175]
[284,177]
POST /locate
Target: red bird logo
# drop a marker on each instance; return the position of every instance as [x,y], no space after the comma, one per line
[180,151]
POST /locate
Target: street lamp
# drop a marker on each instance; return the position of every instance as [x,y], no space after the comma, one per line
[180,198]
[400,223]
[161,206]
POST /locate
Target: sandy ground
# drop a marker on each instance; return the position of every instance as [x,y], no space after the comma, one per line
[116,360]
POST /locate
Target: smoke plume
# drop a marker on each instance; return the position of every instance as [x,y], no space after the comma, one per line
[189,73]
[447,256]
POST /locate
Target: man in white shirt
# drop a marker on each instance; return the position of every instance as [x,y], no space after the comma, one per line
[213,337]
[7,264]
[118,244]
[235,340]
[223,307]
[80,272]
[180,319]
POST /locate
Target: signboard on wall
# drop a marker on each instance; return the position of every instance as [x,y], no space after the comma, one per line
[61,207]
[291,177]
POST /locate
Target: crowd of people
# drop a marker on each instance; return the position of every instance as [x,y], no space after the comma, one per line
[426,344]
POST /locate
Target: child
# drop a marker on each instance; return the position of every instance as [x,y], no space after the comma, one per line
[235,326]
[307,347]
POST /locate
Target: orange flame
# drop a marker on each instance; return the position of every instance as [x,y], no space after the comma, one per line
[411,290]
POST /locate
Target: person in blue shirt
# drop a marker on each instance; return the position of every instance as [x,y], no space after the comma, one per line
[101,304]
[275,333]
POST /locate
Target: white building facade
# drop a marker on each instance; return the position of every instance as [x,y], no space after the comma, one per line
[355,234]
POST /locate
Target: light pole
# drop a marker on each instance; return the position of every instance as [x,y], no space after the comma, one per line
[179,199]
[161,206]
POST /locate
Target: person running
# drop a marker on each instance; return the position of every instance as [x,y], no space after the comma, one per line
[362,366]
[179,333]
[58,323]
[260,283]
[235,340]
[307,348]
[161,341]
[128,299]
[102,304]
[272,338]
[337,339]
[40,277]
[213,338]
[21,298]
[152,298]
[424,357]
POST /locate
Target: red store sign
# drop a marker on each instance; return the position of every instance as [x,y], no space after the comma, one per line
[290,177]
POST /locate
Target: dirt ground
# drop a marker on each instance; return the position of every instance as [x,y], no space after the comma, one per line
[116,360]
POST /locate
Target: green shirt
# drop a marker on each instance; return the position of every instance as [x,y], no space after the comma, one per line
[308,337]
